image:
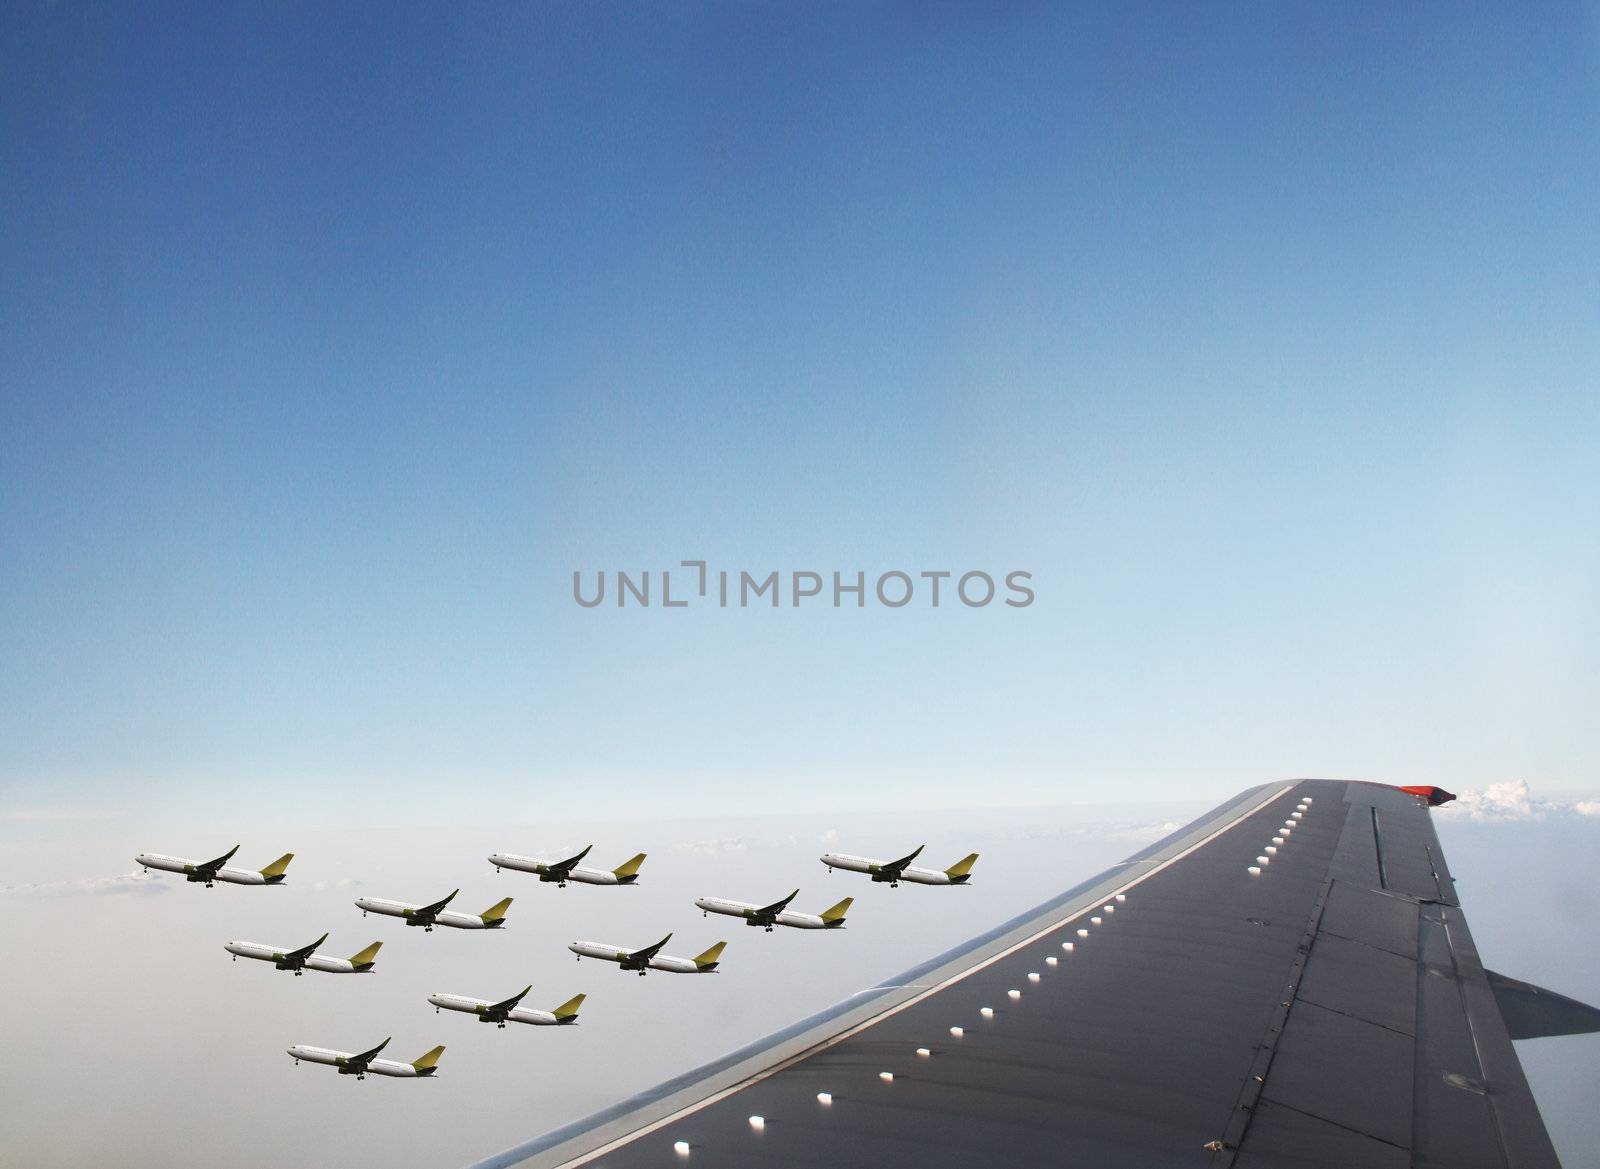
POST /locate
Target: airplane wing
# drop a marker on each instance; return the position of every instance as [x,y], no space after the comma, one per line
[571,862]
[368,1056]
[896,866]
[213,866]
[649,952]
[436,906]
[778,906]
[307,951]
[510,1003]
[1322,1010]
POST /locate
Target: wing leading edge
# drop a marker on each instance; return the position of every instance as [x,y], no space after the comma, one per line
[1314,1002]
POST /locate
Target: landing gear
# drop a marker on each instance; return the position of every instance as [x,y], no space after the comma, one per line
[298,973]
[502,1026]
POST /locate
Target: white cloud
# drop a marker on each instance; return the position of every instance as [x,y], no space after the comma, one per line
[138,883]
[1513,802]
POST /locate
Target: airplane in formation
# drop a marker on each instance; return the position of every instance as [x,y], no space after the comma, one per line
[360,1063]
[560,872]
[650,958]
[507,1010]
[428,916]
[306,957]
[901,870]
[209,871]
[778,913]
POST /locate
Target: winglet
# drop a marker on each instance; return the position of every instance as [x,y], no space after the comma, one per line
[365,959]
[569,1010]
[497,911]
[1434,795]
[628,871]
[426,1064]
[962,868]
[835,914]
[707,961]
[274,871]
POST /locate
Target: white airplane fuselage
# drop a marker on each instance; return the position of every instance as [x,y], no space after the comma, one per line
[480,1007]
[189,868]
[619,954]
[280,954]
[341,1060]
[541,868]
[874,868]
[449,917]
[751,914]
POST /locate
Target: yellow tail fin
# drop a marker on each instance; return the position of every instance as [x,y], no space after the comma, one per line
[367,956]
[427,1062]
[569,1009]
[628,870]
[837,912]
[962,867]
[709,958]
[275,869]
[496,911]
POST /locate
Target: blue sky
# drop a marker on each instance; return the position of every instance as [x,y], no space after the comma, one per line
[334,343]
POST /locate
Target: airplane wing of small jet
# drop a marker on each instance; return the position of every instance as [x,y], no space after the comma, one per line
[1289,980]
[777,906]
[367,1057]
[903,863]
[213,866]
[510,1003]
[648,952]
[307,951]
[430,910]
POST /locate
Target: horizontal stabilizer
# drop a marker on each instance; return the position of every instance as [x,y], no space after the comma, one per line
[629,869]
[1532,1012]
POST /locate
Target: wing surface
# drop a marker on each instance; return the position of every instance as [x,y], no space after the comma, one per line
[1328,1010]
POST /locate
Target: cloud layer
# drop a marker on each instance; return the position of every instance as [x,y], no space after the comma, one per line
[1513,802]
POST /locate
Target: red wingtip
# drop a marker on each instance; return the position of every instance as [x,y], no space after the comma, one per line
[1434,795]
